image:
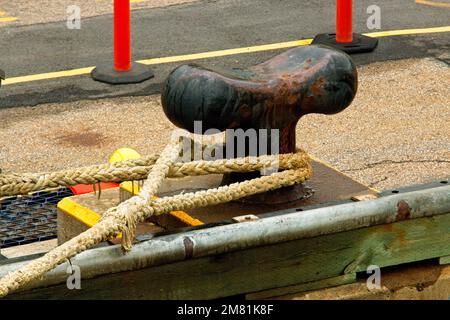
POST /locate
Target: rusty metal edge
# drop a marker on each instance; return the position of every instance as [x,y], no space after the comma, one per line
[242,236]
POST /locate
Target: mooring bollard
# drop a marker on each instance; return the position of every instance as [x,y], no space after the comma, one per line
[270,96]
[344,39]
[123,71]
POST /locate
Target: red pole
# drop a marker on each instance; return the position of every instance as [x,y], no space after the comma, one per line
[122,35]
[344,21]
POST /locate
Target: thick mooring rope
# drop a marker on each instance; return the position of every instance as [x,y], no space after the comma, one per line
[124,218]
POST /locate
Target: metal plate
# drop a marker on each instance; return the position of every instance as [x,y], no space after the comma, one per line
[328,186]
[27,219]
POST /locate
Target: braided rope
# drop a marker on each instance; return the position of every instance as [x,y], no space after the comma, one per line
[125,216]
[13,184]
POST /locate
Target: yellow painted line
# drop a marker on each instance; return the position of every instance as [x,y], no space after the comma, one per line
[180,215]
[185,218]
[49,75]
[203,55]
[8,19]
[433,3]
[80,213]
[406,32]
[227,52]
[214,54]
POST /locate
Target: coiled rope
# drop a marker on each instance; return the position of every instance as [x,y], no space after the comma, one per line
[124,218]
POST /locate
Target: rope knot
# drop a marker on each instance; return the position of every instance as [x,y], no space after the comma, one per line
[294,169]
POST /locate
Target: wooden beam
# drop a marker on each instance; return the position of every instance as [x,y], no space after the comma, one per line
[444,260]
[302,287]
[412,282]
[271,266]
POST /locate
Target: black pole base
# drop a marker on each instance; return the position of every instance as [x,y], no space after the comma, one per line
[106,73]
[360,43]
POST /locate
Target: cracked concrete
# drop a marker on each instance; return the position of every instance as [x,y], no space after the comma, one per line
[372,165]
[397,130]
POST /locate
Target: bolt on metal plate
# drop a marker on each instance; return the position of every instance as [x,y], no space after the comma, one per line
[246,218]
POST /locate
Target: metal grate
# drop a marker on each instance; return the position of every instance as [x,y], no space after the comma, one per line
[32,218]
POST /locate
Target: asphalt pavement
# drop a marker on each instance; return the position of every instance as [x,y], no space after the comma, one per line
[197,27]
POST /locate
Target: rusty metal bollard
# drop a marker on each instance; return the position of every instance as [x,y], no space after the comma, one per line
[272,95]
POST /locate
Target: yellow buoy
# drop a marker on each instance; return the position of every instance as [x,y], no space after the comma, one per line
[124,154]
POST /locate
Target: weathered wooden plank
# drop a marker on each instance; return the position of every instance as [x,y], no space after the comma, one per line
[308,286]
[411,282]
[267,267]
[444,260]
